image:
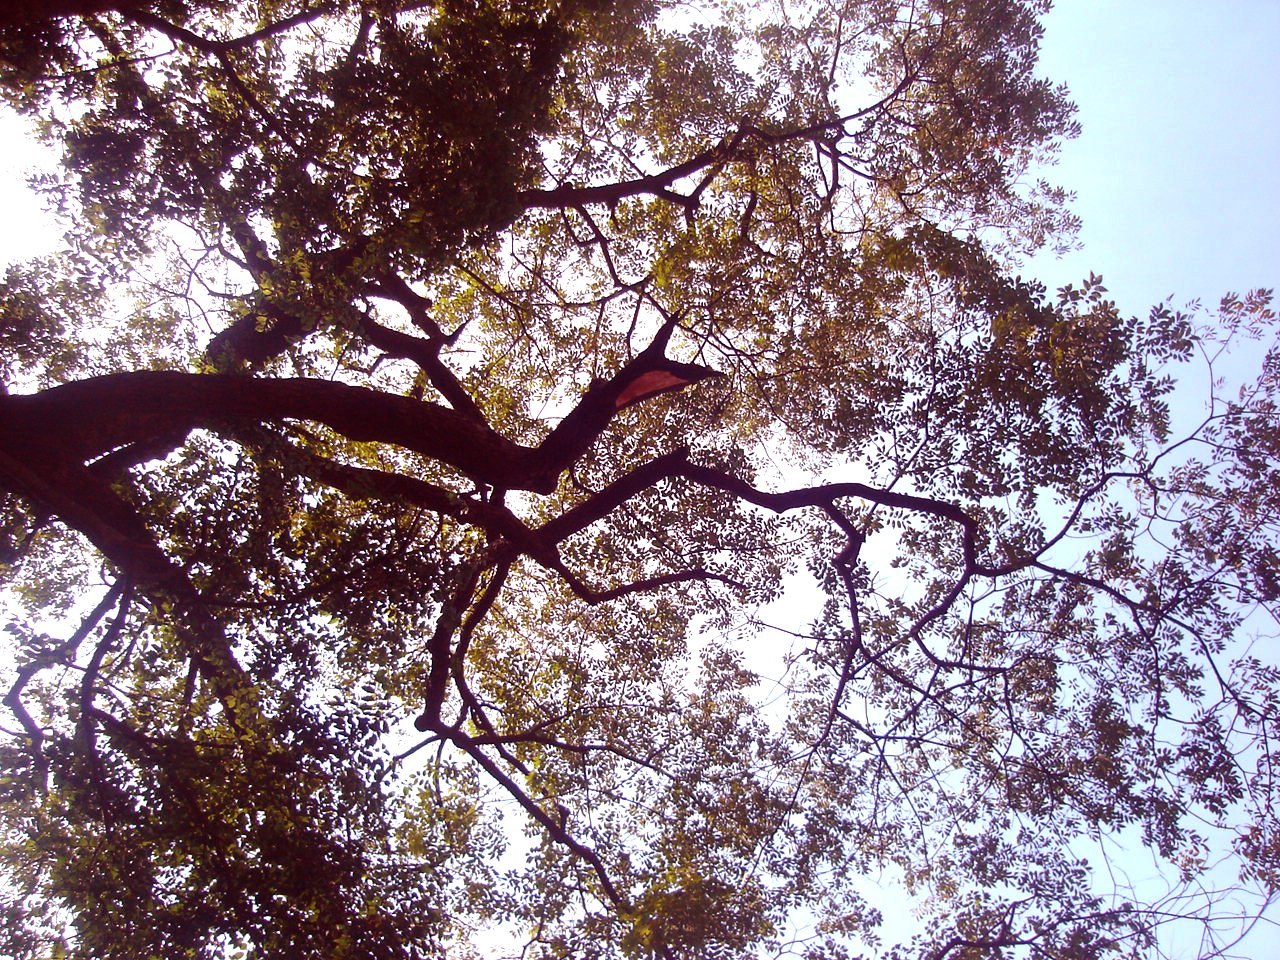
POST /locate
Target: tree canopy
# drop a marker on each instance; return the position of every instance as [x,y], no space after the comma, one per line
[586,478]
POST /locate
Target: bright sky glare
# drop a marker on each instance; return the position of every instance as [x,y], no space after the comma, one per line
[25,229]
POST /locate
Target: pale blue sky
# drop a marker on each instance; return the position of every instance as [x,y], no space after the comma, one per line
[1178,168]
[1177,172]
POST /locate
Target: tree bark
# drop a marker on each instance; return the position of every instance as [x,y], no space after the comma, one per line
[88,418]
[16,14]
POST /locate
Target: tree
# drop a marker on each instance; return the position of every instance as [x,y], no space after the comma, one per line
[433,403]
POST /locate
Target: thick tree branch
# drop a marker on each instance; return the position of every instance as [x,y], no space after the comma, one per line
[19,14]
[245,342]
[601,504]
[182,35]
[567,196]
[86,418]
[649,374]
[88,504]
[362,483]
[425,353]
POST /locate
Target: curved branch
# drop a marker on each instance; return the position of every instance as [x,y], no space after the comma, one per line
[647,375]
[91,506]
[425,353]
[84,419]
[567,196]
[554,827]
[640,586]
[362,483]
[180,34]
[13,699]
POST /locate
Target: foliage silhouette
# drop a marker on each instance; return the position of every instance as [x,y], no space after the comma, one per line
[586,479]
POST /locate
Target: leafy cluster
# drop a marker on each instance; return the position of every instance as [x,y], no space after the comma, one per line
[569,478]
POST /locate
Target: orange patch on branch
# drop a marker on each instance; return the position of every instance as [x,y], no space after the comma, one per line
[649,385]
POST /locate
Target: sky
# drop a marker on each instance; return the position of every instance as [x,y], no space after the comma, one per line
[1177,171]
[24,228]
[1177,175]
